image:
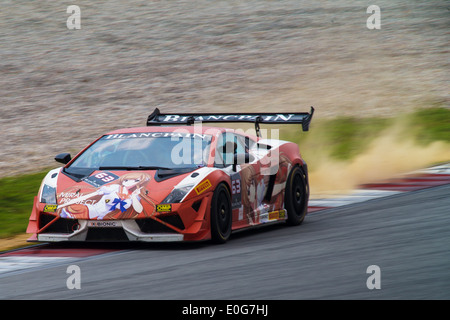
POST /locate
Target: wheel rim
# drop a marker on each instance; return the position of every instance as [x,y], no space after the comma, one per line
[297,194]
[223,218]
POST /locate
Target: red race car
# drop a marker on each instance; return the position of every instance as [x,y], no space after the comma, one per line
[174,180]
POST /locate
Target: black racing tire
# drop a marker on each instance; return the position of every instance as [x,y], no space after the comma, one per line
[296,197]
[221,214]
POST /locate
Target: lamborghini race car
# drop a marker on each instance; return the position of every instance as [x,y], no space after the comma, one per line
[174,180]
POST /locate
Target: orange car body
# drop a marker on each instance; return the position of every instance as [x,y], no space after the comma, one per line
[152,204]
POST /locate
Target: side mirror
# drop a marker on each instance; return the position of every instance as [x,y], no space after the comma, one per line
[63,158]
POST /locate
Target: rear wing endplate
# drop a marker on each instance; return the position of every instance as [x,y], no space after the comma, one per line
[303,118]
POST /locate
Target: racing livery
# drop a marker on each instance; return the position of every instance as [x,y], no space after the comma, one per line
[174,180]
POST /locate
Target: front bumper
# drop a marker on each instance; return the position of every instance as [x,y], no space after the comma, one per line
[118,230]
[187,221]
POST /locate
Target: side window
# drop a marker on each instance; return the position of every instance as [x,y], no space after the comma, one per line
[229,144]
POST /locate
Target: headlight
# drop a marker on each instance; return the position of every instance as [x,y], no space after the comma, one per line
[178,194]
[48,187]
[48,194]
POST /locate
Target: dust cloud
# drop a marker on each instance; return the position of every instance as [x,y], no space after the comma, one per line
[387,156]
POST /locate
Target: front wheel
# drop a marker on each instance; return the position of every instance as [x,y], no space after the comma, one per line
[296,197]
[221,214]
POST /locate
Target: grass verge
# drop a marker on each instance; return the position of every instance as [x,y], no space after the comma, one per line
[16,200]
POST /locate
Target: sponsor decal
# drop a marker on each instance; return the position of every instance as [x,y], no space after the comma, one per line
[276,215]
[278,117]
[273,215]
[155,135]
[163,208]
[50,208]
[104,224]
[202,187]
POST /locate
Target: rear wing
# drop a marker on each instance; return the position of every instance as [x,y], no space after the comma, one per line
[303,118]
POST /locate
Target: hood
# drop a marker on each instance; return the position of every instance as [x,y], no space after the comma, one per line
[111,194]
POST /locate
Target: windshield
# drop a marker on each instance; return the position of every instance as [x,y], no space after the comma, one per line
[148,150]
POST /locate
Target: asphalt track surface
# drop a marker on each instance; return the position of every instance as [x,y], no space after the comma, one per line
[407,235]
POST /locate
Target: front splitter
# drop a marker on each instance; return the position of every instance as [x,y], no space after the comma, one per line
[130,227]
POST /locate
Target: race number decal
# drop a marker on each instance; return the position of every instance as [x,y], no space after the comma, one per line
[236,201]
[101,178]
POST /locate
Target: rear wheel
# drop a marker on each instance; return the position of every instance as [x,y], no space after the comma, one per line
[296,197]
[221,214]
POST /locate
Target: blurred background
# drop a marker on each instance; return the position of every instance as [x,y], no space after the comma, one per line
[61,88]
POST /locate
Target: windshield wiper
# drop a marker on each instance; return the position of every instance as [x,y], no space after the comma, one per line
[134,168]
[166,174]
[77,175]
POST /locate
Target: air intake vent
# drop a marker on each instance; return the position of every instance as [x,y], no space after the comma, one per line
[106,234]
[59,226]
[153,226]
